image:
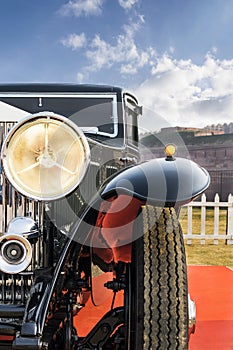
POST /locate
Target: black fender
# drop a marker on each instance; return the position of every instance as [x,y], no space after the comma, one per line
[162,181]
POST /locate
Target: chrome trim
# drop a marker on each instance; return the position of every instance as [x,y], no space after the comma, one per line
[192,315]
[25,226]
[8,265]
[62,119]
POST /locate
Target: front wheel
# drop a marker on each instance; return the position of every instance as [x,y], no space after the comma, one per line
[158,303]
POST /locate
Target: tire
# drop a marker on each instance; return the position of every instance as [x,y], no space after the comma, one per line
[159,292]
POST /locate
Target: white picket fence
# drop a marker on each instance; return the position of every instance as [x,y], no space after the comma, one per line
[217,233]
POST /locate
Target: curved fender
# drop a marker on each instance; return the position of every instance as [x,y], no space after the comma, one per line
[162,181]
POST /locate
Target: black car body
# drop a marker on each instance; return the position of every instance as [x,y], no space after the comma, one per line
[70,157]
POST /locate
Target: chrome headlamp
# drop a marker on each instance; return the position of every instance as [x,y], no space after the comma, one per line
[15,248]
[45,156]
[15,253]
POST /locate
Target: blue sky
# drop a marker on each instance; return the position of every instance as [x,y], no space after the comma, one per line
[175,55]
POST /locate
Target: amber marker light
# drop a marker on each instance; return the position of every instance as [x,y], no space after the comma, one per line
[170,150]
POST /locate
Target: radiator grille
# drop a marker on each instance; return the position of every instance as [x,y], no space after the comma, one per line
[15,288]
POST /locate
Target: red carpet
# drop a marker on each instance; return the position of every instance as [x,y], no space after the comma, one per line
[212,289]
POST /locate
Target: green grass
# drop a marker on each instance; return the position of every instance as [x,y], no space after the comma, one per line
[209,224]
[209,253]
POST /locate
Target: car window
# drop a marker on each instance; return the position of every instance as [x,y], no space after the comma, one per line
[132,112]
[99,116]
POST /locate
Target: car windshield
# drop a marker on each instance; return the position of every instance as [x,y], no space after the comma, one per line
[95,114]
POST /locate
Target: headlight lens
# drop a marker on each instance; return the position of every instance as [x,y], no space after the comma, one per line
[45,156]
[15,253]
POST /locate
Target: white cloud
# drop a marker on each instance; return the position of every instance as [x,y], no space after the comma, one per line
[104,55]
[214,50]
[131,28]
[125,55]
[127,4]
[82,8]
[128,69]
[171,49]
[180,91]
[188,94]
[80,78]
[75,41]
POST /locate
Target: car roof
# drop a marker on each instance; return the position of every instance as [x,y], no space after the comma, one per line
[58,87]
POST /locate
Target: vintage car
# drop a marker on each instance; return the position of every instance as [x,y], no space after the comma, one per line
[83,220]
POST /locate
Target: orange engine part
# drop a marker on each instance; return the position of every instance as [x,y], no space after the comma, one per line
[114,228]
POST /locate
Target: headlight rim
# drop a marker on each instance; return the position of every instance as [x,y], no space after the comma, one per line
[28,119]
[11,267]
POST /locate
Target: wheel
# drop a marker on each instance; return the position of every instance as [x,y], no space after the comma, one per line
[159,295]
